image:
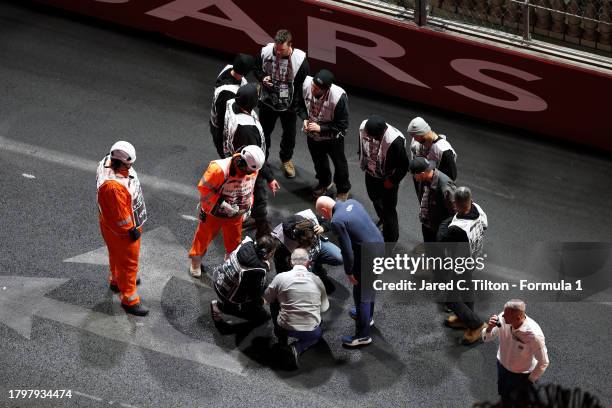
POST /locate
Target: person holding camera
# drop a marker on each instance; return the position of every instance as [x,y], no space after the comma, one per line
[281,70]
[305,230]
[323,108]
[226,196]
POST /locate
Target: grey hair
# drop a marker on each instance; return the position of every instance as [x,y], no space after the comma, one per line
[282,36]
[516,304]
[463,195]
[300,257]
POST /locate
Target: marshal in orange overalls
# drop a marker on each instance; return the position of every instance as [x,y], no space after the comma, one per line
[119,196]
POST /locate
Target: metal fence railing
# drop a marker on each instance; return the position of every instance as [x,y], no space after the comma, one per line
[583,25]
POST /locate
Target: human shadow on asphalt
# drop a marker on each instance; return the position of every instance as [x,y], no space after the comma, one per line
[98,351]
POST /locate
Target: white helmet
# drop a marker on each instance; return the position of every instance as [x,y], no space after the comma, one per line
[123,151]
[253,156]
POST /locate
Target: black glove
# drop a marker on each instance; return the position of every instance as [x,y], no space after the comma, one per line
[202,215]
[134,234]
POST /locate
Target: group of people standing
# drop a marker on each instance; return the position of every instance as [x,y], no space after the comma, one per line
[234,194]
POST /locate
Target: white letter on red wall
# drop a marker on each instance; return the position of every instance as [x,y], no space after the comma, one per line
[471,68]
[322,44]
[237,19]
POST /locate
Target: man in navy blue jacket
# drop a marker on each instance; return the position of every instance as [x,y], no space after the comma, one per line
[354,228]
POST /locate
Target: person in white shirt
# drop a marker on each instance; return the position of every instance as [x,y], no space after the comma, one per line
[297,298]
[522,357]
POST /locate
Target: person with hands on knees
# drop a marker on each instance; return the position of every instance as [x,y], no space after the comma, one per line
[383,158]
[226,197]
[122,213]
[522,357]
[356,233]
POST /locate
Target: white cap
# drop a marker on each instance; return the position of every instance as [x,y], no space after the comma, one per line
[123,151]
[253,156]
[418,127]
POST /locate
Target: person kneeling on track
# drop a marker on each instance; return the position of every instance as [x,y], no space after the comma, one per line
[297,298]
[241,280]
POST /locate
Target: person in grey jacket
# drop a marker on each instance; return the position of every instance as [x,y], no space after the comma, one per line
[437,200]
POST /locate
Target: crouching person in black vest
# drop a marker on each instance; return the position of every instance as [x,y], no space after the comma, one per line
[241,281]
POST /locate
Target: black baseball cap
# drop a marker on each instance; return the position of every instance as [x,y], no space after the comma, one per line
[375,126]
[324,79]
[421,164]
[243,63]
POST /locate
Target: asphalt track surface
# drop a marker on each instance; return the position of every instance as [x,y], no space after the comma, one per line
[70,87]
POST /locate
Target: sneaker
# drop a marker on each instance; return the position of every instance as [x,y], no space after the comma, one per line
[288,169]
[137,310]
[453,322]
[342,196]
[353,315]
[471,336]
[196,273]
[354,341]
[215,312]
[294,357]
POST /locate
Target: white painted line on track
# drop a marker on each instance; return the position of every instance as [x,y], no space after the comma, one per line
[189,217]
[69,160]
[30,176]
[82,394]
[98,399]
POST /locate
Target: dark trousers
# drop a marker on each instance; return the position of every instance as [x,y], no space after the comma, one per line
[252,311]
[334,148]
[260,198]
[288,118]
[385,204]
[217,138]
[512,387]
[305,339]
[364,300]
[365,312]
[465,313]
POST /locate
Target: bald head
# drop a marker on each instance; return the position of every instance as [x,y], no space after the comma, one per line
[300,257]
[324,207]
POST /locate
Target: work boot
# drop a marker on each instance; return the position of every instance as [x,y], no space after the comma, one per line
[453,322]
[319,190]
[137,310]
[288,169]
[471,336]
[342,196]
[115,288]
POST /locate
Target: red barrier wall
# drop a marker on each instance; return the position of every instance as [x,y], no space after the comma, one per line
[391,57]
